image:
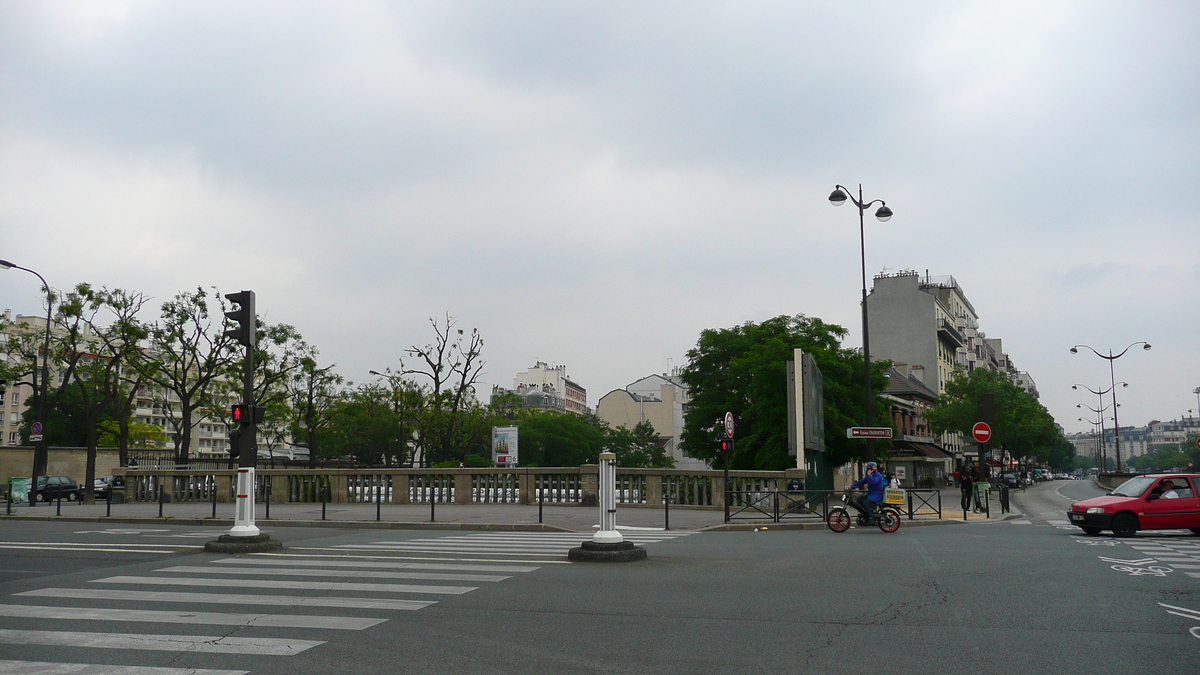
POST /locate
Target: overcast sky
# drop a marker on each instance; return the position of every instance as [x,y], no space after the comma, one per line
[594,183]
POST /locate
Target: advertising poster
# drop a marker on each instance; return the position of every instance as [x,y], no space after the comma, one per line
[504,446]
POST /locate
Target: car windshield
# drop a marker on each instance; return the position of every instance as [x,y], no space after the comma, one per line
[1133,487]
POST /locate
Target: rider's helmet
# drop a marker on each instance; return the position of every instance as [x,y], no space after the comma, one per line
[872,465]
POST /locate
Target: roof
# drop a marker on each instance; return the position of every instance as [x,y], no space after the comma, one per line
[900,384]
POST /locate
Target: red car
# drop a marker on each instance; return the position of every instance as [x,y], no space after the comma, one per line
[1142,503]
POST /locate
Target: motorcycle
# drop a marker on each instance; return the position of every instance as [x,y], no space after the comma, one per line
[838,520]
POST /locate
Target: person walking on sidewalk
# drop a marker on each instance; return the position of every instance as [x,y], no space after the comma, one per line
[965,484]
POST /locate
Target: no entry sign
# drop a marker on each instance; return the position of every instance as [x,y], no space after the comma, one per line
[982,432]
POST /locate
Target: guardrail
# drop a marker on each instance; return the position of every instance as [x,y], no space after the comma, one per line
[779,505]
[533,485]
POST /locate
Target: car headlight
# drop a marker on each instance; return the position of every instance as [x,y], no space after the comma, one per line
[1096,509]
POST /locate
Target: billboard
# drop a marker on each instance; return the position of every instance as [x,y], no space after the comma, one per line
[504,446]
[806,408]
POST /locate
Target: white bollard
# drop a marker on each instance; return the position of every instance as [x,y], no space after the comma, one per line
[607,497]
[243,518]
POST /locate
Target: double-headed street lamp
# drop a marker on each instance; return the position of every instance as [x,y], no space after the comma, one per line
[1100,417]
[883,213]
[40,454]
[1094,424]
[1113,380]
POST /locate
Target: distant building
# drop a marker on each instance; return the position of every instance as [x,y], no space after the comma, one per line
[916,450]
[662,401]
[549,388]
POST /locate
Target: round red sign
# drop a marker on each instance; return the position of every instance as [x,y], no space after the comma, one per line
[982,432]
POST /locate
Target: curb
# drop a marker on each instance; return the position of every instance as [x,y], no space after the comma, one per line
[768,525]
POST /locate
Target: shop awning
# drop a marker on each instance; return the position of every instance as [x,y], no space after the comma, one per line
[915,450]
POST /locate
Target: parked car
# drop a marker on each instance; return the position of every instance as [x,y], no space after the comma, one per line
[50,488]
[1142,503]
[1010,480]
[103,487]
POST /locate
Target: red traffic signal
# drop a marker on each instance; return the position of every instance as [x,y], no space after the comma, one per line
[724,445]
[241,413]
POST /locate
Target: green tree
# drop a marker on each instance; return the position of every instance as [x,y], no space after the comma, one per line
[314,393]
[1023,426]
[550,438]
[452,364]
[744,370]
[361,424]
[639,447]
[187,351]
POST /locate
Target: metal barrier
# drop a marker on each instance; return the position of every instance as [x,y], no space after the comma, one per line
[779,505]
[920,502]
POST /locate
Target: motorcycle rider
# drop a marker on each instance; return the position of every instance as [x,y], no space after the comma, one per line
[875,483]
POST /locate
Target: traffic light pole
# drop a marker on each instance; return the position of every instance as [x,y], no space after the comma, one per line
[243,520]
[245,536]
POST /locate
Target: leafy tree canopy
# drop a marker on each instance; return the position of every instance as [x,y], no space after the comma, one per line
[744,370]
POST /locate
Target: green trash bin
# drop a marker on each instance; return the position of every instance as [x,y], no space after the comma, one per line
[19,489]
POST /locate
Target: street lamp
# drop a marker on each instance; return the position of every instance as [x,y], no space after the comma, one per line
[884,214]
[1113,380]
[40,452]
[1094,424]
[1100,416]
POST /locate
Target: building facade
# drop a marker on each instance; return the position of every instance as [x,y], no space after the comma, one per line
[662,401]
[548,387]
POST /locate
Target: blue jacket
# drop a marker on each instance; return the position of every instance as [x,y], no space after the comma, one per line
[875,483]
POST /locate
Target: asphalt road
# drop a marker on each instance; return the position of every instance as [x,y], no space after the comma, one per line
[1026,595]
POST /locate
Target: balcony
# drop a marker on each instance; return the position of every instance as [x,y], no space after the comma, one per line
[951,333]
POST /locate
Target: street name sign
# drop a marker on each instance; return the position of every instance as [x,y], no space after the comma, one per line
[981,432]
[869,432]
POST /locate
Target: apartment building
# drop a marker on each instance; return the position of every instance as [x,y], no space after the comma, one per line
[660,400]
[548,387]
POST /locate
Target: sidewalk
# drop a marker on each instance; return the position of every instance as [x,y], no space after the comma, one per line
[557,518]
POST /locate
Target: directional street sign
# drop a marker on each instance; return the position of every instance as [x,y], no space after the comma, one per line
[869,432]
[982,432]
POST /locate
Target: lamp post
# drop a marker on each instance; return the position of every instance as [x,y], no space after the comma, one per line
[1094,423]
[1113,380]
[40,453]
[1099,416]
[883,213]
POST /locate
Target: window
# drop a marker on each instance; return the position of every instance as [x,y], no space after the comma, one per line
[12,417]
[12,438]
[16,398]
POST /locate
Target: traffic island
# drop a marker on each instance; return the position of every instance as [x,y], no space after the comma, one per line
[259,543]
[591,551]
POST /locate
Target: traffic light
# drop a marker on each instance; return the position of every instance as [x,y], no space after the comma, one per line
[241,413]
[235,443]
[724,445]
[241,318]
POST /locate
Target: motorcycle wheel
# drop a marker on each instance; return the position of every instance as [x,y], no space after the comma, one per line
[838,520]
[889,520]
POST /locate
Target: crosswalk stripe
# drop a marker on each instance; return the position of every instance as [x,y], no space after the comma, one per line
[114,545]
[433,576]
[293,585]
[229,598]
[1059,522]
[382,564]
[45,668]
[443,549]
[214,644]
[1185,567]
[208,618]
[478,546]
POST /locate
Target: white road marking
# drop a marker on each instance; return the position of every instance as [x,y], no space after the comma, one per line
[99,548]
[207,618]
[215,644]
[291,585]
[1019,522]
[1059,522]
[1139,561]
[230,598]
[369,574]
[45,668]
[382,564]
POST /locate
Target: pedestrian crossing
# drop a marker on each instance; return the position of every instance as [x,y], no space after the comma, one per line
[95,616]
[550,544]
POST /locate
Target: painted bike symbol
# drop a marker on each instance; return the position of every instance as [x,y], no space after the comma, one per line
[1151,571]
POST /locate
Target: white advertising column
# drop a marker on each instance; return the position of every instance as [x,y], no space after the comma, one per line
[243,516]
[607,497]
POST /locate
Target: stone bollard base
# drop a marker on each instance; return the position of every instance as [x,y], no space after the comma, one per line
[227,543]
[590,551]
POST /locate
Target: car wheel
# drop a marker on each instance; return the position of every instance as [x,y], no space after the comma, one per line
[1090,530]
[41,496]
[71,496]
[1125,525]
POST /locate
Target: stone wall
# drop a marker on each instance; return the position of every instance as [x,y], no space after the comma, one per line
[17,461]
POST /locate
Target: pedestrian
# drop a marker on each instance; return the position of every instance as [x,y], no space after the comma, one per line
[957,477]
[964,484]
[893,482]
